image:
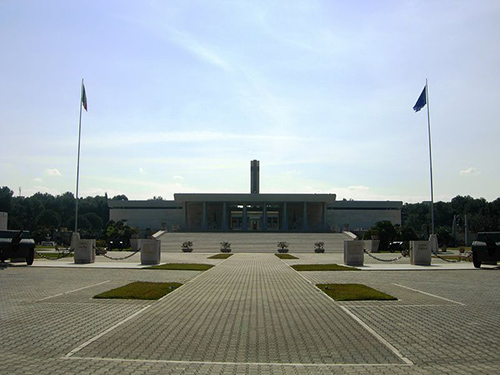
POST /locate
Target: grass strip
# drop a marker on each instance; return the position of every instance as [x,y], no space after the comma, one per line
[53,255]
[354,292]
[286,256]
[181,267]
[140,290]
[220,256]
[323,267]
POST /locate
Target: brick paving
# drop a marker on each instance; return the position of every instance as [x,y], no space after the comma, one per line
[251,314]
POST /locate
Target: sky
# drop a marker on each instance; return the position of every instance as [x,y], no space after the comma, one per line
[182,95]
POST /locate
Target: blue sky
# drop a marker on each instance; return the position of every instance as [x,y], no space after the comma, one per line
[183,94]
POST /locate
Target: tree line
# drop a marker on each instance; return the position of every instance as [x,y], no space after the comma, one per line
[43,214]
[454,222]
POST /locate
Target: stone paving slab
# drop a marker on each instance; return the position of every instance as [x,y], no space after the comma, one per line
[47,312]
[452,319]
[251,308]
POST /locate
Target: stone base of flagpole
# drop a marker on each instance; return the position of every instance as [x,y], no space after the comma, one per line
[433,243]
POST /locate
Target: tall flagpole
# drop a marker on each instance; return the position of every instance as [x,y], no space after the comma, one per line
[78,158]
[430,153]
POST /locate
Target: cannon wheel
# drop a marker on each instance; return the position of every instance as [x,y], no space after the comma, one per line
[31,257]
[475,260]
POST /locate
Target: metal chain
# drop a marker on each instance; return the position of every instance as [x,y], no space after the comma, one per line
[460,258]
[122,258]
[403,254]
[61,254]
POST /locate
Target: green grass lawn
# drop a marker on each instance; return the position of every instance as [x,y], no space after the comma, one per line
[220,256]
[286,256]
[181,267]
[354,292]
[140,290]
[322,267]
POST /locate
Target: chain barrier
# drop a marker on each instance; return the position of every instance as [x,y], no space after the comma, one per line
[460,258]
[122,258]
[61,254]
[404,253]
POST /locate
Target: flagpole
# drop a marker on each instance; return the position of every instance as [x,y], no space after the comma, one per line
[430,153]
[78,159]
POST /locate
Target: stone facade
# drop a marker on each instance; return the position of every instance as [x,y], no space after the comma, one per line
[255,212]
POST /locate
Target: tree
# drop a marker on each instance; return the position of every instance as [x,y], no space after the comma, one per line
[94,220]
[444,237]
[386,233]
[48,219]
[407,234]
[5,199]
[121,197]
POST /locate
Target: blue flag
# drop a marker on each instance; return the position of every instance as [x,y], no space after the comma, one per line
[421,101]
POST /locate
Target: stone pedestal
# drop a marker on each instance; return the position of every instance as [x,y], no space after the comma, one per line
[150,252]
[353,253]
[75,238]
[84,251]
[372,245]
[433,243]
[420,253]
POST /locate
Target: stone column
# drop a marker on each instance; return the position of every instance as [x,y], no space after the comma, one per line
[323,219]
[244,221]
[284,222]
[185,216]
[264,216]
[224,216]
[204,216]
[304,218]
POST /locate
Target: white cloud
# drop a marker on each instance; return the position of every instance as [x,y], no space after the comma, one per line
[358,188]
[53,172]
[290,173]
[141,171]
[125,139]
[469,171]
[38,179]
[198,49]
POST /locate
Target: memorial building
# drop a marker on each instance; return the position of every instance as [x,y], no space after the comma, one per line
[255,211]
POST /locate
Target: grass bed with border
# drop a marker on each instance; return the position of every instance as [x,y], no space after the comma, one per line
[140,290]
[220,256]
[286,256]
[354,292]
[323,267]
[181,267]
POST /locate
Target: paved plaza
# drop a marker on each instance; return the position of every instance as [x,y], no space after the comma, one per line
[251,314]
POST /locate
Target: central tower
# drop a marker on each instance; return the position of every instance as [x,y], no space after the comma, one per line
[254,177]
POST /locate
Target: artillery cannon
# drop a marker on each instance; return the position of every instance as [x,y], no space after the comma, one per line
[14,246]
[486,249]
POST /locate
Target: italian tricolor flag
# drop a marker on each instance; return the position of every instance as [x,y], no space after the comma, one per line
[84,97]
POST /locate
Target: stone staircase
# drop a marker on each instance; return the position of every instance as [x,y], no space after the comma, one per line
[253,242]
